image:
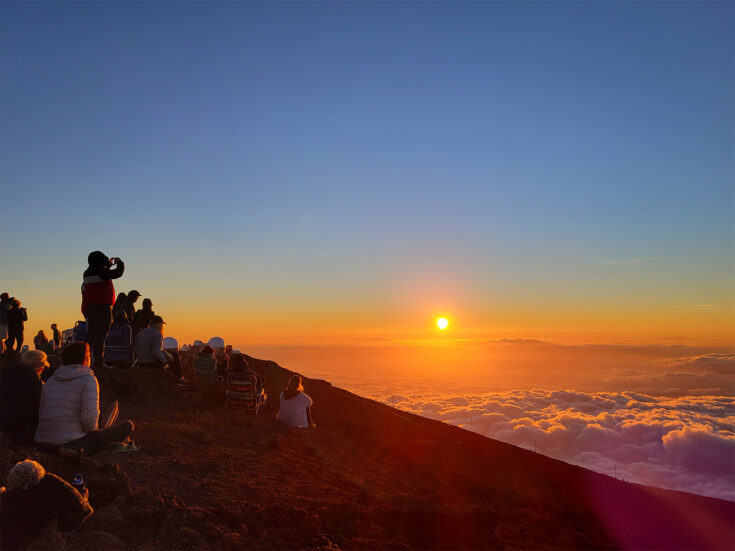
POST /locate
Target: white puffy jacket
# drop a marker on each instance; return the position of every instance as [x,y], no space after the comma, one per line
[70,406]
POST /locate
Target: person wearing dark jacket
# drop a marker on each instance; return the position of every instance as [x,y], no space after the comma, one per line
[129,305]
[143,316]
[17,316]
[33,500]
[98,297]
[20,392]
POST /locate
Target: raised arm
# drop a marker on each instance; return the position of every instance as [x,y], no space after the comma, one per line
[114,272]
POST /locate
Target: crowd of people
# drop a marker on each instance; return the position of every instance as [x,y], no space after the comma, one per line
[57,406]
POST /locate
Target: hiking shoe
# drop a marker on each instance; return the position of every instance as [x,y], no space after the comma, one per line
[182,382]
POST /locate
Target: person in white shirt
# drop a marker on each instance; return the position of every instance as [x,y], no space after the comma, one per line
[295,405]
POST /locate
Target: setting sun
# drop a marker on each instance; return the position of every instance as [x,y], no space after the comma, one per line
[442,323]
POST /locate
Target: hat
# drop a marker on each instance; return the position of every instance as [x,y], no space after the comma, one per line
[25,474]
[134,293]
[156,319]
[35,359]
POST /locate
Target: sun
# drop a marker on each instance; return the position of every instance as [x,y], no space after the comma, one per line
[442,323]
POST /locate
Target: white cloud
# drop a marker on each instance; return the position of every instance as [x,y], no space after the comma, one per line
[681,443]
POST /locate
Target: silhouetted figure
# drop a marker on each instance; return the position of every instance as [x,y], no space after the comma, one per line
[98,297]
[120,317]
[34,499]
[127,305]
[20,389]
[69,409]
[119,303]
[17,316]
[143,316]
[295,408]
[56,336]
[40,342]
[4,308]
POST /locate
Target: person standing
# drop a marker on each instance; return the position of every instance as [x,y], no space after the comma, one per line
[17,316]
[40,342]
[119,303]
[98,298]
[143,316]
[129,306]
[4,308]
[56,336]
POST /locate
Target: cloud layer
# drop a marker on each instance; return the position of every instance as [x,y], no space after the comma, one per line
[662,415]
[683,443]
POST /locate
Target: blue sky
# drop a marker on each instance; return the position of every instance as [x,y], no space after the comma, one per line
[320,152]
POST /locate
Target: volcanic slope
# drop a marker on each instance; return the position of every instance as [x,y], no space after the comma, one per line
[370,477]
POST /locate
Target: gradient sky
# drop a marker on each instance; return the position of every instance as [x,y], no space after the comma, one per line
[322,172]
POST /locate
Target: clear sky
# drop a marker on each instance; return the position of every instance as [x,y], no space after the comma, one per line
[319,172]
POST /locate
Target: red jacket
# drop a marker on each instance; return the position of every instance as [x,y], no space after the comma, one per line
[97,287]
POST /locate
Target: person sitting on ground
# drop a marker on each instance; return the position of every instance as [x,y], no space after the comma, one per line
[295,408]
[40,341]
[20,389]
[143,316]
[34,498]
[150,353]
[69,410]
[56,336]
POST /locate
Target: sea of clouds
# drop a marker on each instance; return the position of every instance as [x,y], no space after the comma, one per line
[683,443]
[661,415]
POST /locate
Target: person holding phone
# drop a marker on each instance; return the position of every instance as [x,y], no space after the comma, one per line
[98,298]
